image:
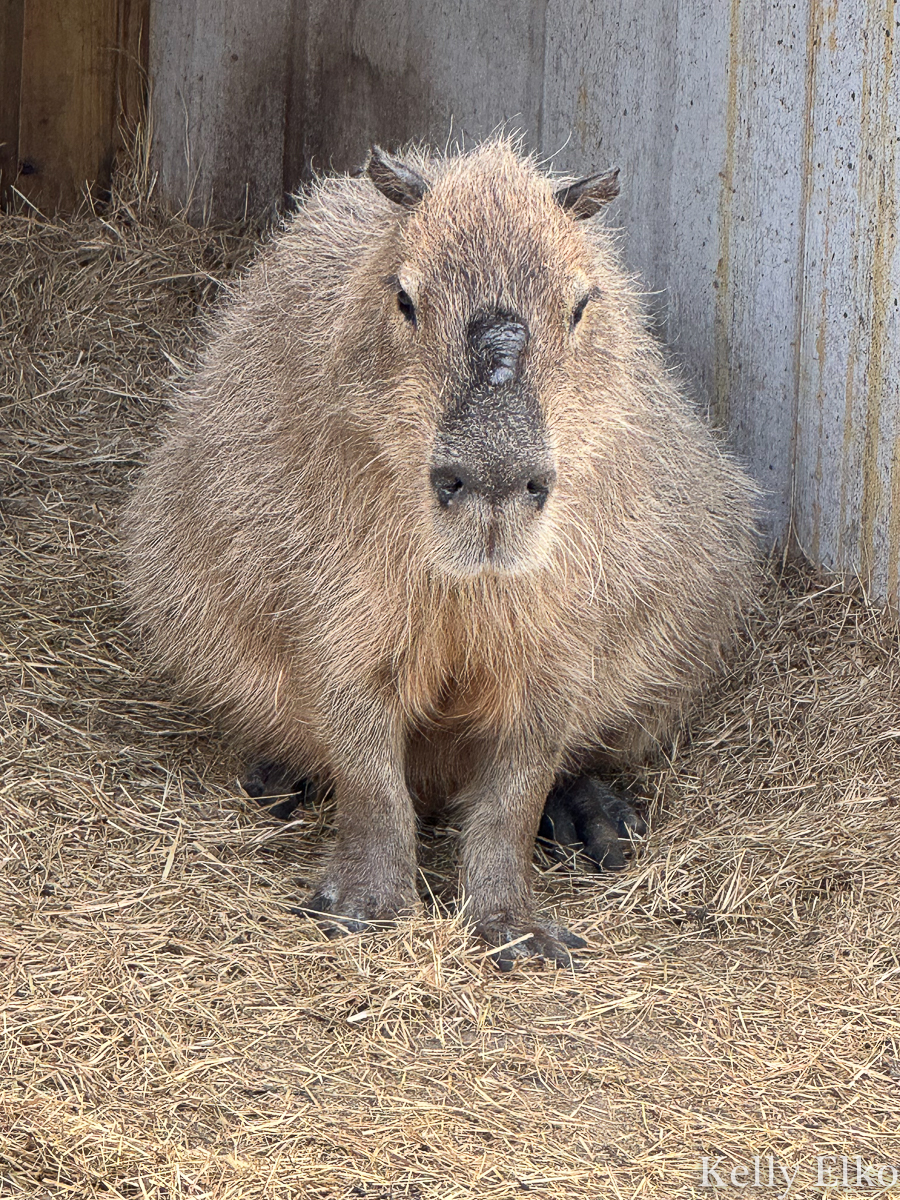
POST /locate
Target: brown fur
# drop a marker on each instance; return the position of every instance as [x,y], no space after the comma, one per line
[288,562]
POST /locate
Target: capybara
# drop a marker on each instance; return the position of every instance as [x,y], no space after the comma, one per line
[433,524]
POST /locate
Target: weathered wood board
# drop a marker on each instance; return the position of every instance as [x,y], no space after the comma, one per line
[69,69]
[12,24]
[847,478]
[248,101]
[219,85]
[365,71]
[66,131]
[758,142]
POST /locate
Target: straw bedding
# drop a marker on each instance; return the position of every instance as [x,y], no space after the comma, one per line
[170,1029]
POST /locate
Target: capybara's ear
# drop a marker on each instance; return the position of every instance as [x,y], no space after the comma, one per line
[395,179]
[587,196]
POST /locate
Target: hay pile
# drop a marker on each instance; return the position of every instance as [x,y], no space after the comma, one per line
[170,1030]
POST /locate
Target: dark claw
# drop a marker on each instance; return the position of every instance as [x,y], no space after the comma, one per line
[340,908]
[620,810]
[319,907]
[585,816]
[548,943]
[277,788]
[568,938]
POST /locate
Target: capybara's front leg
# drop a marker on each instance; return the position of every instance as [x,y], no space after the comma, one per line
[371,875]
[502,808]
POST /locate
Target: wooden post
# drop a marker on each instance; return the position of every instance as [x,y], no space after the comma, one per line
[80,67]
[12,17]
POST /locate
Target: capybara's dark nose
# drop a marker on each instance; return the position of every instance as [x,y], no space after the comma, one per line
[455,483]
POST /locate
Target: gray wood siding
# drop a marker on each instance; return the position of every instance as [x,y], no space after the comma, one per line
[219,78]
[403,71]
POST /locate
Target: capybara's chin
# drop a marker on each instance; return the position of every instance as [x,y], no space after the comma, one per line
[490,543]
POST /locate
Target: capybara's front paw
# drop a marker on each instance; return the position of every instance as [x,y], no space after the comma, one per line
[515,939]
[340,906]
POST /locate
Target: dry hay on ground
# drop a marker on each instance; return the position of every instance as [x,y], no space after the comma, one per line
[170,1030]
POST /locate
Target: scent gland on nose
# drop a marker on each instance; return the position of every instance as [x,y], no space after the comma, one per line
[496,342]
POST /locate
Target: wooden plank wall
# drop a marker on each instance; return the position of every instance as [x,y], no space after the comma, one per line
[249,99]
[760,158]
[847,482]
[68,69]
[403,70]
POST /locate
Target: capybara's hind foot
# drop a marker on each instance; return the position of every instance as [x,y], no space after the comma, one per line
[277,788]
[517,940]
[585,816]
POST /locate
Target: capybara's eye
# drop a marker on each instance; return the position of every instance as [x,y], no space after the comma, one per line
[578,310]
[406,306]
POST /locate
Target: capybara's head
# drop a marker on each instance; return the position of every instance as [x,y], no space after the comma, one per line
[490,295]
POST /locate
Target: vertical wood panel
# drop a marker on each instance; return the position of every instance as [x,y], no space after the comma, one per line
[246,102]
[400,70]
[12,21]
[219,88]
[848,420]
[132,59]
[761,234]
[68,104]
[702,112]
